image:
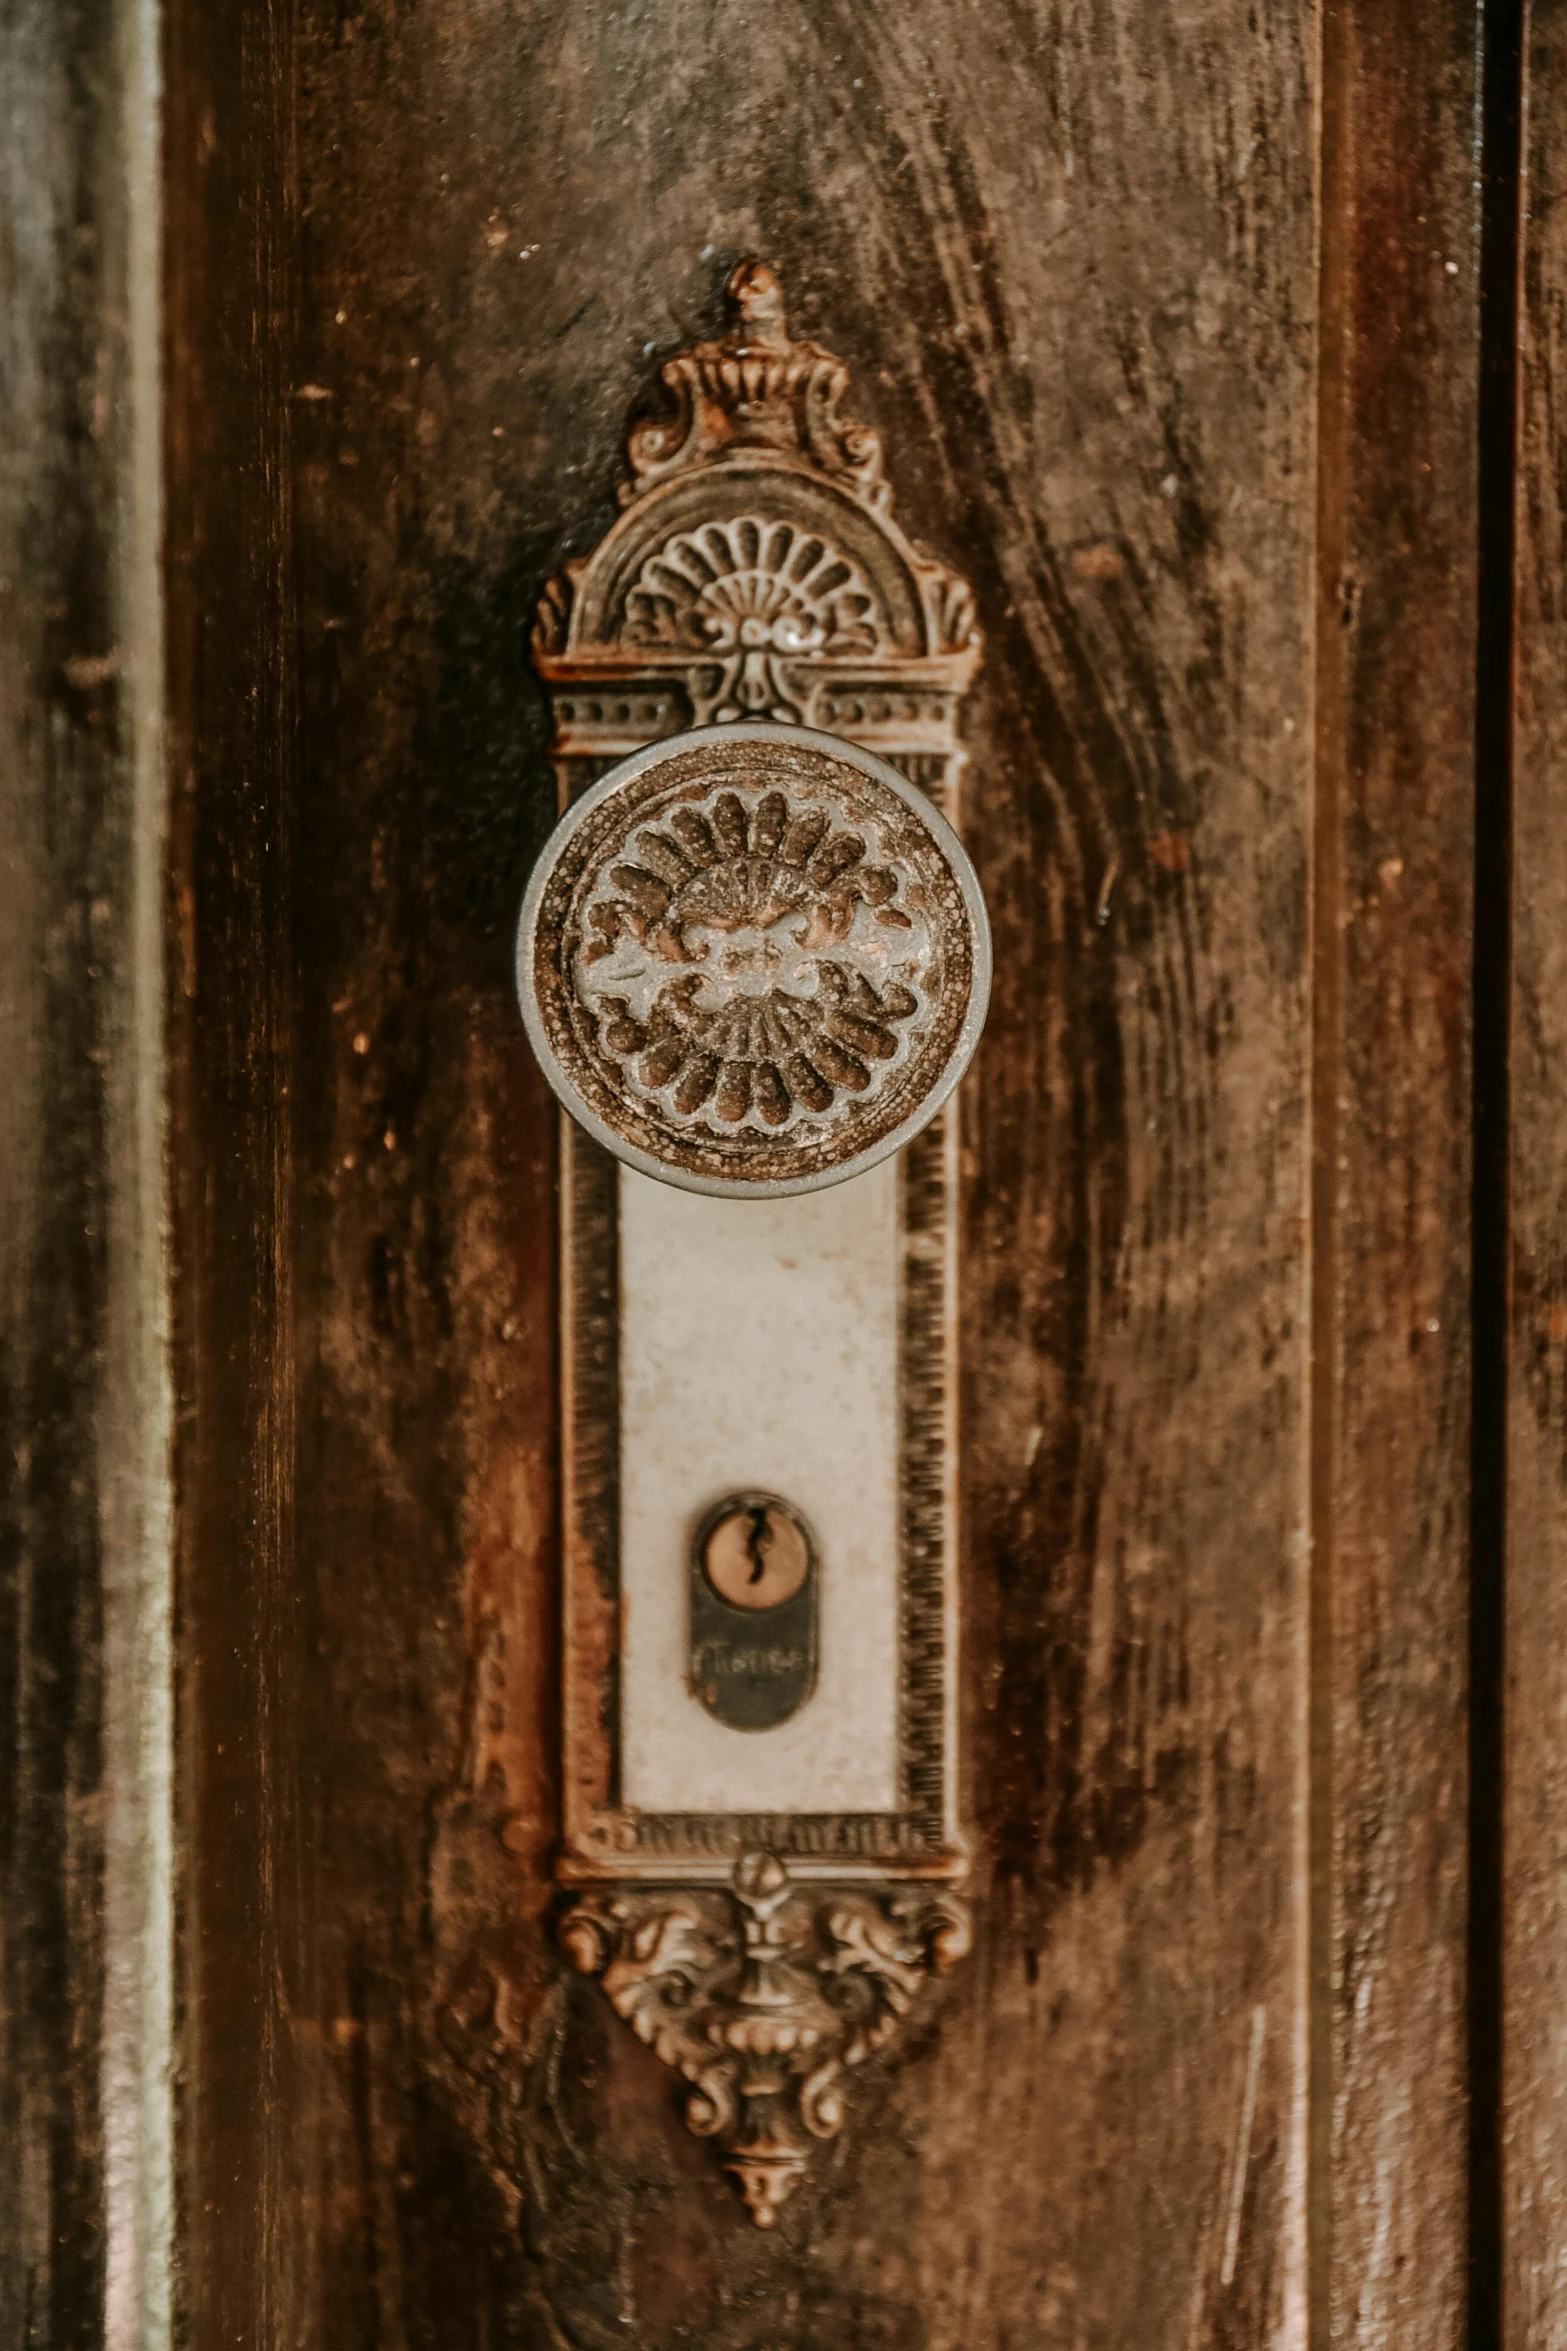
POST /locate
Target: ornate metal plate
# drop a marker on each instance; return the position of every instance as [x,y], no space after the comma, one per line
[753,959]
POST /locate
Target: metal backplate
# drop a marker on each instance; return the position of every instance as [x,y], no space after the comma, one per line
[755,679]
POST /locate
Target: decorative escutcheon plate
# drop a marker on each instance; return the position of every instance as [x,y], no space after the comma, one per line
[753,959]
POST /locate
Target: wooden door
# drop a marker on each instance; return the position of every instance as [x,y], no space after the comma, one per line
[1193,336]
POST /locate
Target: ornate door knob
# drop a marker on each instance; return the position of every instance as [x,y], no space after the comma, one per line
[753,959]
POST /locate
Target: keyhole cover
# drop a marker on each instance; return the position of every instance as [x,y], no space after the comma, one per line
[753,959]
[753,1612]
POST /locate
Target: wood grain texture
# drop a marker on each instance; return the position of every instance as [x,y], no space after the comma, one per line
[248,1739]
[70,1388]
[1070,260]
[1396,630]
[1534,2152]
[1193,399]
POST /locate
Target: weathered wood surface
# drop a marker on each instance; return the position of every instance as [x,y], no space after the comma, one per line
[1394,826]
[1534,2150]
[251,1729]
[83,1411]
[422,261]
[57,770]
[1072,267]
[1071,264]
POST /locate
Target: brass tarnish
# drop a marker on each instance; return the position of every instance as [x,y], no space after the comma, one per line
[753,960]
[756,572]
[762,1998]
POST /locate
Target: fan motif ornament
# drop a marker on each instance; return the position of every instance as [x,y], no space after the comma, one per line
[755,419]
[753,960]
[751,591]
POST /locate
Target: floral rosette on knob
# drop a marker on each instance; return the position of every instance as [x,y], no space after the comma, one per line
[753,959]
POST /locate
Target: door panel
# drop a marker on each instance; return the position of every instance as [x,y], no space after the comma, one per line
[1530,1696]
[423,262]
[1398,555]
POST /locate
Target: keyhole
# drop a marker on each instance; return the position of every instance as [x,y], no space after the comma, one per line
[760,1539]
[755,1551]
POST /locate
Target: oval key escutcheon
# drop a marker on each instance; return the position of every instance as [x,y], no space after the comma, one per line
[753,1611]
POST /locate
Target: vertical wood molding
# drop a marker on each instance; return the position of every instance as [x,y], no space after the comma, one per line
[1396,620]
[1534,1885]
[137,1503]
[246,2185]
[85,1992]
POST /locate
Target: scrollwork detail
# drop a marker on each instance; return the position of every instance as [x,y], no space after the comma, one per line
[552,620]
[761,1998]
[756,388]
[780,564]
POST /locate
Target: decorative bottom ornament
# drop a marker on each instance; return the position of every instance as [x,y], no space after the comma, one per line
[762,1998]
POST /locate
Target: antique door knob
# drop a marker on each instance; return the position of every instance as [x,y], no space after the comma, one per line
[753,960]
